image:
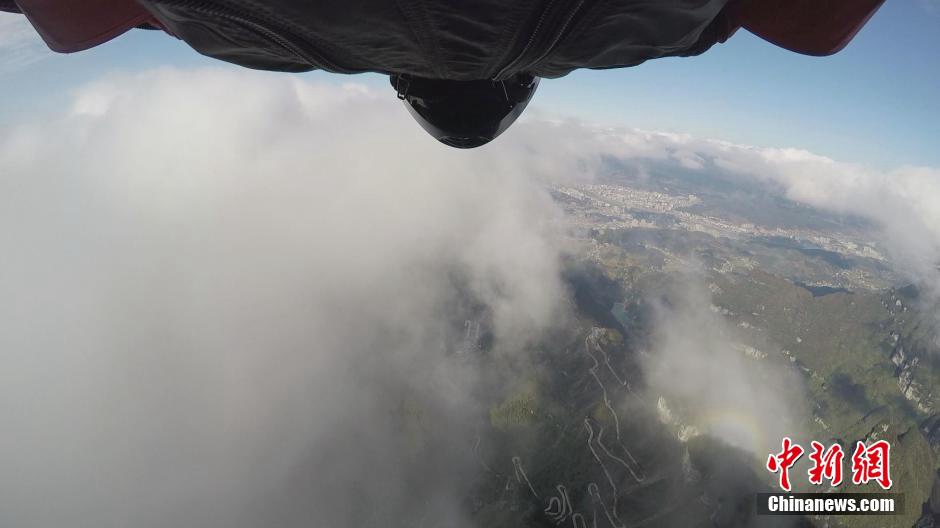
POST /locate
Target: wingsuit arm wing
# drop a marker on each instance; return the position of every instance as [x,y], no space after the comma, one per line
[68,26]
[810,27]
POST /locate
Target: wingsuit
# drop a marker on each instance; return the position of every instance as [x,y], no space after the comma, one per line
[466,68]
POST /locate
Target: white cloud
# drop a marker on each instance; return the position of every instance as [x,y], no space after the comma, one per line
[222,288]
[695,362]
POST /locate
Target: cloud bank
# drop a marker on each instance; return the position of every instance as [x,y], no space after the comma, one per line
[229,301]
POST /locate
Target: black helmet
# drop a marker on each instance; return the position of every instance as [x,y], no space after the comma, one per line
[465,114]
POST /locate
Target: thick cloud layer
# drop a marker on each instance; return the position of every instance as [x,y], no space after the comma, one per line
[228,299]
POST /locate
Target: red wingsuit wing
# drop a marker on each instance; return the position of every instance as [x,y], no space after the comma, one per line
[811,27]
[75,25]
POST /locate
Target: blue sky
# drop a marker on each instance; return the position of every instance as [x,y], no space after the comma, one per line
[878,101]
[875,103]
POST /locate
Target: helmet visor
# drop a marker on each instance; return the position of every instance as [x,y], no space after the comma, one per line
[467,114]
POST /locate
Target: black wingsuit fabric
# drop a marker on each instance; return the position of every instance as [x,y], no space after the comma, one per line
[443,39]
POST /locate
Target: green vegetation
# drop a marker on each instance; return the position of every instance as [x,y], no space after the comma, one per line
[520,408]
[841,341]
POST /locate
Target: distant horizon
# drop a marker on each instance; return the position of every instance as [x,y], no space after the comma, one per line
[873,103]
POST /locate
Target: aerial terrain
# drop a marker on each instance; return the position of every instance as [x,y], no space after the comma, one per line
[614,419]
